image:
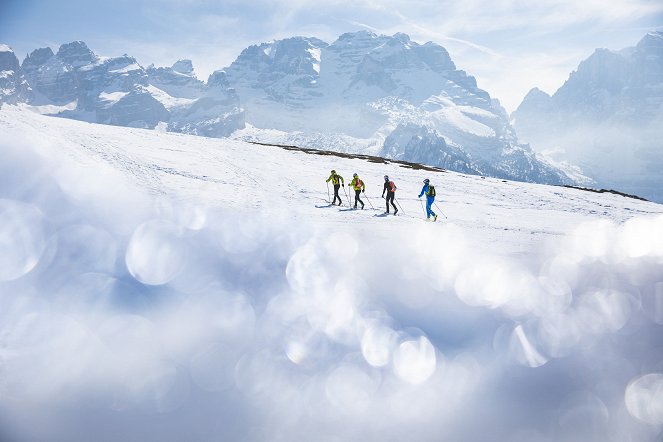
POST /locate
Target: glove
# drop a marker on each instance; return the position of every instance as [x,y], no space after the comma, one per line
[363,191]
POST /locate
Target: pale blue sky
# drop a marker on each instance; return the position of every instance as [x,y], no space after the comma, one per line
[509,45]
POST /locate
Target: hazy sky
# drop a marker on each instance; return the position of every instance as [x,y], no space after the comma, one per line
[509,45]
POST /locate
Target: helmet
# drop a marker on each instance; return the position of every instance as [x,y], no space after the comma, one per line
[426,181]
[354,175]
[386,177]
[333,171]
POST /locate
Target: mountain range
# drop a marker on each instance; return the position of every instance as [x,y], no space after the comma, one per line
[363,93]
[607,118]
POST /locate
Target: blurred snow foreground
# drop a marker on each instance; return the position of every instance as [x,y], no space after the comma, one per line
[153,289]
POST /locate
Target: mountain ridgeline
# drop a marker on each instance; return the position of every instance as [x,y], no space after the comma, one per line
[606,118]
[363,93]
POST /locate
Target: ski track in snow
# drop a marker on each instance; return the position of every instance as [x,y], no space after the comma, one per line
[170,287]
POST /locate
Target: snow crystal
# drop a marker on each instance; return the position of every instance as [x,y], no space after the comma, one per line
[414,360]
[377,345]
[22,237]
[644,398]
[155,253]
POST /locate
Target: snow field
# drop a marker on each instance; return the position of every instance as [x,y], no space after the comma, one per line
[179,288]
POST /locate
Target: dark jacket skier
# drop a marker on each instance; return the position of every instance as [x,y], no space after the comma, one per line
[390,188]
[336,180]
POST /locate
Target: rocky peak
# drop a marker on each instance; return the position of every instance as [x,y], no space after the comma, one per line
[401,37]
[651,40]
[535,102]
[604,70]
[8,60]
[218,79]
[435,56]
[297,55]
[36,59]
[13,87]
[183,67]
[76,54]
[536,94]
[350,37]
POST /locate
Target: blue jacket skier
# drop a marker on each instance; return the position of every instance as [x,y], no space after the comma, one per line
[429,191]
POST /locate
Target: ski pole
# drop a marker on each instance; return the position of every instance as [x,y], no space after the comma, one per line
[422,206]
[328,196]
[347,197]
[438,208]
[399,205]
[369,201]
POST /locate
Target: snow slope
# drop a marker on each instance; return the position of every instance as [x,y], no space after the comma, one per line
[164,287]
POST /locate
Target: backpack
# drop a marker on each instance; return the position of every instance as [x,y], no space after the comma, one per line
[392,186]
[431,191]
[359,183]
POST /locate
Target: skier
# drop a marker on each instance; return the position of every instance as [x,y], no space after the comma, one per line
[358,186]
[430,198]
[336,180]
[390,188]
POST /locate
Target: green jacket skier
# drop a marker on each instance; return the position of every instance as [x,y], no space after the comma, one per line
[359,187]
[336,180]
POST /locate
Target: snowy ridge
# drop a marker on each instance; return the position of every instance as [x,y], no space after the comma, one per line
[173,282]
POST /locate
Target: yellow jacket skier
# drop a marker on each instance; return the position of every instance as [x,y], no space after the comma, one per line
[359,187]
[336,180]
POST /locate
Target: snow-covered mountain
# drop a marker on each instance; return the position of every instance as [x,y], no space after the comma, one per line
[78,84]
[13,87]
[352,94]
[168,287]
[607,118]
[349,96]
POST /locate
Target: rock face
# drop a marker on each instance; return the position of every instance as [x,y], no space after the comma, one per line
[35,60]
[607,118]
[357,90]
[136,108]
[217,113]
[13,87]
[119,91]
[177,81]
[410,140]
